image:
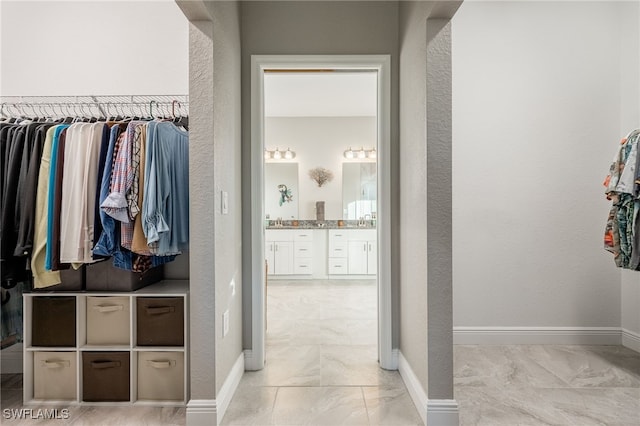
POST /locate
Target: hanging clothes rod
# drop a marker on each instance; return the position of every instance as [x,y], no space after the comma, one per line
[102,106]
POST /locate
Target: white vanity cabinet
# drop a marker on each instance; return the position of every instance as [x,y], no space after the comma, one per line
[289,251]
[352,252]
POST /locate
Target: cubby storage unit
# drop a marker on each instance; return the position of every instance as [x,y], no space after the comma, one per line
[95,348]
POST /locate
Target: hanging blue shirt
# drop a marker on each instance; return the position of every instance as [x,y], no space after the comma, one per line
[165,209]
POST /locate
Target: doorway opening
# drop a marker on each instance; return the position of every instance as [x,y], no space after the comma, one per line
[320,179]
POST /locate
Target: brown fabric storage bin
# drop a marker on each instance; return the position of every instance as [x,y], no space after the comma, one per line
[53,321]
[103,276]
[72,280]
[54,375]
[161,376]
[108,320]
[160,321]
[105,376]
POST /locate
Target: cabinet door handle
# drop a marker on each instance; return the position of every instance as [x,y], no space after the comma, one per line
[108,308]
[302,249]
[303,266]
[276,247]
[56,364]
[160,310]
[101,365]
[161,363]
[369,246]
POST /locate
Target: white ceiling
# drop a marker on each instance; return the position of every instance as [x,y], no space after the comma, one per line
[321,94]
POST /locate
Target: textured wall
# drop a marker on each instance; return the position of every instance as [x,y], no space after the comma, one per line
[439,240]
[203,323]
[536,106]
[227,177]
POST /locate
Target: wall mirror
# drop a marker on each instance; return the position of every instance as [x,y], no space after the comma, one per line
[281,190]
[359,190]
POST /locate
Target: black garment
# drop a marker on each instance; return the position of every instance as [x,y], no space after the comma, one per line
[13,269]
[36,135]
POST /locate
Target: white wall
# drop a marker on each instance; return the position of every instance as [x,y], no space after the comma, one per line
[320,142]
[93,48]
[630,119]
[537,113]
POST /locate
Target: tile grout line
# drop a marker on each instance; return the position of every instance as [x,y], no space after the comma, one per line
[366,407]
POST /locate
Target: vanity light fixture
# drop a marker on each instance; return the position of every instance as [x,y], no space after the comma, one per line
[279,155]
[360,154]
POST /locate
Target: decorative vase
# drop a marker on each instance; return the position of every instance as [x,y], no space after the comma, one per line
[320,210]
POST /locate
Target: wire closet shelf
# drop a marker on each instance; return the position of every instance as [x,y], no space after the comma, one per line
[95,106]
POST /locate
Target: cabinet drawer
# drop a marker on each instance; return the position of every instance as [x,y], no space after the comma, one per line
[108,320]
[303,236]
[53,322]
[303,266]
[161,376]
[105,376]
[362,234]
[338,266]
[54,375]
[303,250]
[160,321]
[338,250]
[338,235]
[279,235]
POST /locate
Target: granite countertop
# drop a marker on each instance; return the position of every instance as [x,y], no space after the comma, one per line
[322,224]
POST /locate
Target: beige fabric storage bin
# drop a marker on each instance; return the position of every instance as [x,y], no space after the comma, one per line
[54,375]
[161,376]
[108,320]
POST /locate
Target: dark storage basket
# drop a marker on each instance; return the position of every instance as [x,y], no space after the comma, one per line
[103,276]
[160,321]
[70,280]
[53,321]
[105,376]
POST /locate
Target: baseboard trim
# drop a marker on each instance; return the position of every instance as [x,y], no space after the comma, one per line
[202,412]
[229,387]
[631,339]
[250,361]
[537,335]
[416,392]
[395,356]
[11,359]
[443,412]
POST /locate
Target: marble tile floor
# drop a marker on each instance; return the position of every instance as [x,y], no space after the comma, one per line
[321,370]
[547,385]
[322,364]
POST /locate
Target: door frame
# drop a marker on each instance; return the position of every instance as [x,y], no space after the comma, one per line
[381,64]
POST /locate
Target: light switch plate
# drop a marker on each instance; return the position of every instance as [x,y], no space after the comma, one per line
[225,323]
[225,202]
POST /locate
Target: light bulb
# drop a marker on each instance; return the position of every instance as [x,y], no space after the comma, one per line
[288,154]
[267,155]
[277,155]
[373,154]
[361,153]
[349,154]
